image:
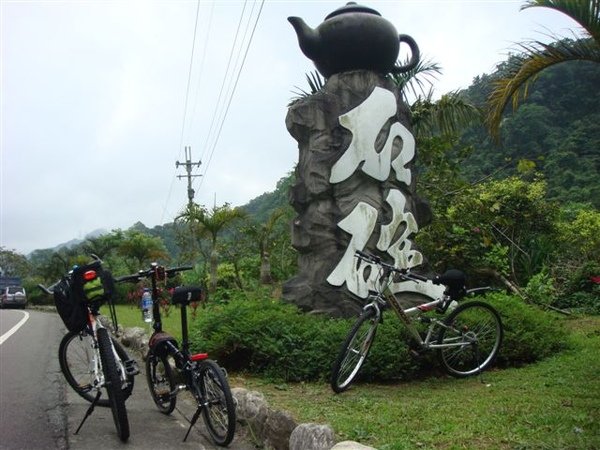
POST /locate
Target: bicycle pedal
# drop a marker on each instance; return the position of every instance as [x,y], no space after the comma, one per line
[131,367]
[414,353]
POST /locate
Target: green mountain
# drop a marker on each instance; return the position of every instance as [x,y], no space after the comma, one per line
[556,132]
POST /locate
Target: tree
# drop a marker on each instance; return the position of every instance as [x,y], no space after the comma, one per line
[502,229]
[141,248]
[210,224]
[536,56]
[261,235]
[13,264]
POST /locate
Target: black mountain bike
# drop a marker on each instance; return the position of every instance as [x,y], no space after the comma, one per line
[202,376]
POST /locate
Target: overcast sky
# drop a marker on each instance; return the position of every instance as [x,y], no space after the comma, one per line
[99,99]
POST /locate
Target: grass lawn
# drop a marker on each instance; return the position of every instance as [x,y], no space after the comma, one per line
[554,404]
[131,316]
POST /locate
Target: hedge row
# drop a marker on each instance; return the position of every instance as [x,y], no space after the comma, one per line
[275,339]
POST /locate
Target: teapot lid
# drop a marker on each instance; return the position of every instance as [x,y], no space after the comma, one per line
[351,7]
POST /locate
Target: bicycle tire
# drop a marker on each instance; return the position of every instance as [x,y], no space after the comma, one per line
[161,382]
[477,328]
[217,402]
[354,351]
[113,383]
[75,356]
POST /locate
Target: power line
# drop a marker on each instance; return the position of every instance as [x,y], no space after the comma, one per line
[187,91]
[233,92]
[201,71]
[212,123]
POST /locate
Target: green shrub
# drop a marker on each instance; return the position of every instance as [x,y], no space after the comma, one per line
[540,289]
[530,333]
[277,340]
[581,302]
[581,291]
[269,337]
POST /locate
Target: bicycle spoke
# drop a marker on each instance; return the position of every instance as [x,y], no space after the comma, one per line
[470,340]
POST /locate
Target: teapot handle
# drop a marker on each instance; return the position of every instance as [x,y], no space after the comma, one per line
[415,55]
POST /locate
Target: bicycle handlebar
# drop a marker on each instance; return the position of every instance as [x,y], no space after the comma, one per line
[404,273]
[45,289]
[148,273]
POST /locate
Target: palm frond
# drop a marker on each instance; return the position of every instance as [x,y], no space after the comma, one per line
[525,68]
[315,82]
[418,80]
[446,116]
[585,13]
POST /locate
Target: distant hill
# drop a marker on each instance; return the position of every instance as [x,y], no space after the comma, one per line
[73,242]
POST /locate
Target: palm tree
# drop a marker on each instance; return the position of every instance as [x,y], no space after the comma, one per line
[211,223]
[261,234]
[536,56]
[430,117]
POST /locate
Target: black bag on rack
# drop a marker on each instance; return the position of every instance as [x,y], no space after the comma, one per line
[88,283]
[72,311]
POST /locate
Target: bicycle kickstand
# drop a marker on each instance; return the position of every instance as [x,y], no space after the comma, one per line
[89,411]
[193,422]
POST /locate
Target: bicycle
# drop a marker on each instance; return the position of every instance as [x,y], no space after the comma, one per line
[467,339]
[203,377]
[91,360]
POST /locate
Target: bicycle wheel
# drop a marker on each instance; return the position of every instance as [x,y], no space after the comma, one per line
[113,383]
[77,359]
[161,382]
[471,337]
[215,397]
[354,351]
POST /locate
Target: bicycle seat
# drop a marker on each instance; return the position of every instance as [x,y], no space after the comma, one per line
[186,294]
[454,280]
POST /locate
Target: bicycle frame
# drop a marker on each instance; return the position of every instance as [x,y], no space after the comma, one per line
[385,297]
[467,339]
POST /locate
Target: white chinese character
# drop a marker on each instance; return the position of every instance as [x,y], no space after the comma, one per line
[365,122]
[360,223]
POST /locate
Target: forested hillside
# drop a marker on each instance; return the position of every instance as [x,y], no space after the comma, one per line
[556,131]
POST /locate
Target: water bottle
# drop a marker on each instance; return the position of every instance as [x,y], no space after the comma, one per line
[147,306]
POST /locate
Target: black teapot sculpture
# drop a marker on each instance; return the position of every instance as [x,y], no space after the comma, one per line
[354,37]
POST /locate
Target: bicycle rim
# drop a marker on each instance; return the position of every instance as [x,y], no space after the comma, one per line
[161,382]
[471,340]
[114,384]
[78,359]
[217,402]
[354,351]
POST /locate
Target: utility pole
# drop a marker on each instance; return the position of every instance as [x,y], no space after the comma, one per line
[188,168]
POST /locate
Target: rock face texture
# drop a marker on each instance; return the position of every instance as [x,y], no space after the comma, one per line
[354,190]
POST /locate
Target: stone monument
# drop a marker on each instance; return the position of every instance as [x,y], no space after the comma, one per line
[355,187]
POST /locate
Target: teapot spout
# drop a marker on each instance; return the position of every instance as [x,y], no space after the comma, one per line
[308,38]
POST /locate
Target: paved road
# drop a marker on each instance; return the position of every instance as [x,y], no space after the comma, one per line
[32,388]
[39,411]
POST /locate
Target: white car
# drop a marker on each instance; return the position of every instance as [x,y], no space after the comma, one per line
[13,296]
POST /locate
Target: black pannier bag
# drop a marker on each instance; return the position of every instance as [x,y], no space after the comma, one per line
[72,295]
[72,312]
